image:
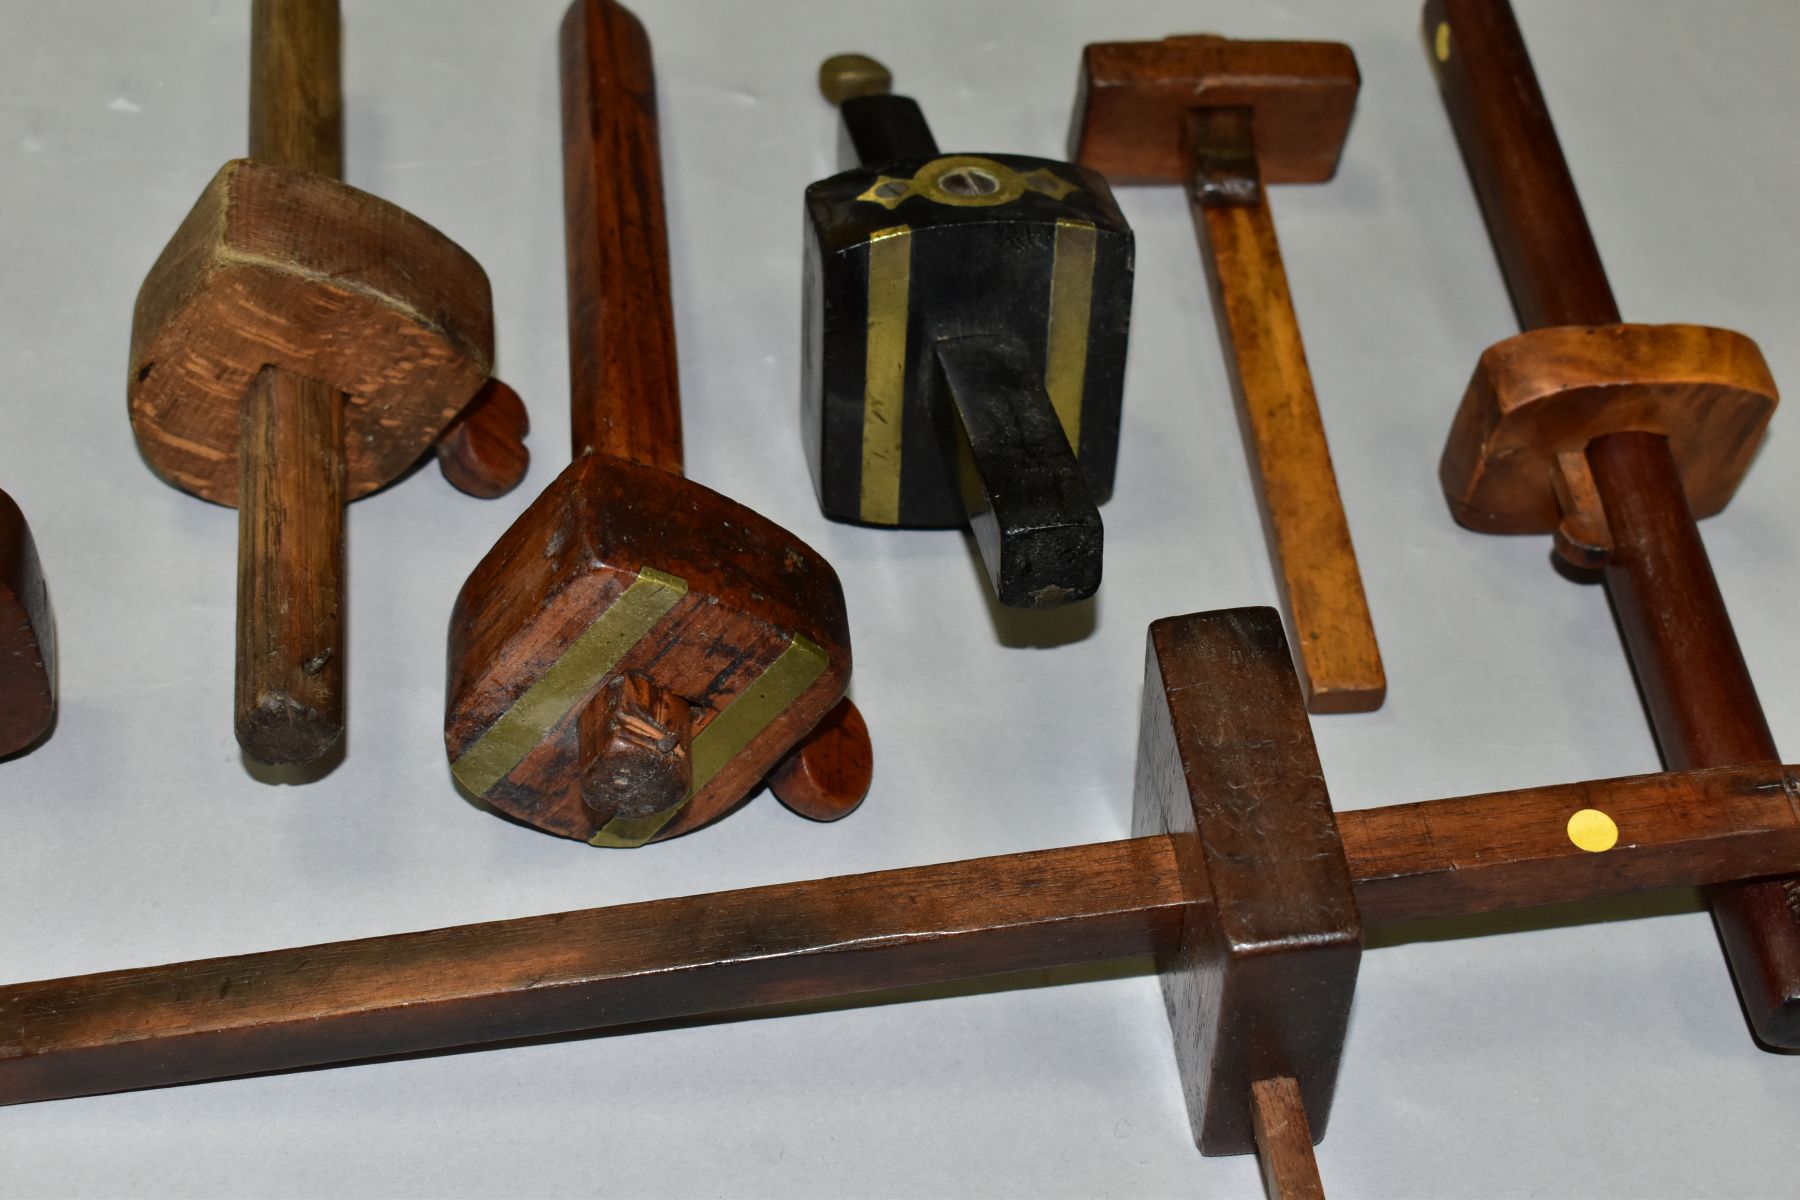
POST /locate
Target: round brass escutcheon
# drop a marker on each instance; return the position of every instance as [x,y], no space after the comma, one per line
[966,180]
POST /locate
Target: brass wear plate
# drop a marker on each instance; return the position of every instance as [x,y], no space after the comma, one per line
[570,680]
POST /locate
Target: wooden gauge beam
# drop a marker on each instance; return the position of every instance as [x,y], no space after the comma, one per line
[1613,438]
[637,653]
[1239,879]
[300,344]
[1224,119]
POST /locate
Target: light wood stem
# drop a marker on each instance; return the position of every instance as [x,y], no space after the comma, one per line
[1303,516]
[290,655]
[290,660]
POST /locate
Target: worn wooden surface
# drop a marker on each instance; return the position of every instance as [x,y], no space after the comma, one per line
[296,85]
[278,267]
[1551,391]
[1283,1141]
[289,704]
[634,744]
[747,588]
[586,970]
[297,345]
[1227,771]
[275,266]
[297,119]
[1701,701]
[1134,100]
[27,637]
[622,565]
[624,392]
[732,951]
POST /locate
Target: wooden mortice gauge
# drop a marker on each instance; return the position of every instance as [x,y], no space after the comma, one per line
[1225,119]
[1251,894]
[1613,438]
[638,652]
[300,344]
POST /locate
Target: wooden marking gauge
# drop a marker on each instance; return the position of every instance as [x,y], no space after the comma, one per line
[965,329]
[27,637]
[638,652]
[1224,119]
[300,344]
[1239,879]
[1614,438]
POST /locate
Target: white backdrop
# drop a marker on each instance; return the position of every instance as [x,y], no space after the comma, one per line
[1546,1054]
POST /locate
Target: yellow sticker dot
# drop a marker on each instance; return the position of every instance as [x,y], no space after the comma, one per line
[1593,831]
[1440,45]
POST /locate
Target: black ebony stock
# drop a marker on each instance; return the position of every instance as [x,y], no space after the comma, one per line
[879,129]
[1028,507]
[909,251]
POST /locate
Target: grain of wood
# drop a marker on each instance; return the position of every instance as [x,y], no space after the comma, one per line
[807,942]
[290,636]
[1283,1142]
[1307,531]
[1225,118]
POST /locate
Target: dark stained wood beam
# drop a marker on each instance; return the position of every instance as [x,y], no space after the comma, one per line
[1476,854]
[730,951]
[586,970]
[1648,479]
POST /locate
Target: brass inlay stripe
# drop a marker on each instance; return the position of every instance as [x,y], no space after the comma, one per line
[1071,307]
[628,833]
[570,679]
[884,373]
[769,695]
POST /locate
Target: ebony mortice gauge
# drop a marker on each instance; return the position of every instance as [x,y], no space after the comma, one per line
[965,328]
